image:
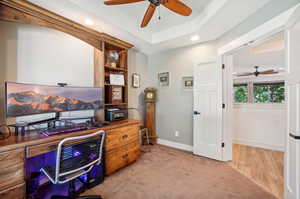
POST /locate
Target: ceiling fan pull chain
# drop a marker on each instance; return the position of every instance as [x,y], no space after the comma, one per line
[159,16]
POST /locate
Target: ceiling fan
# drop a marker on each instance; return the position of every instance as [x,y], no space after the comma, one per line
[257,73]
[175,5]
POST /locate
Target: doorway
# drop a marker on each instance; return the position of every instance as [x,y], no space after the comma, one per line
[258,112]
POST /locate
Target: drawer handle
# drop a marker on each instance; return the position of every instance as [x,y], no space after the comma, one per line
[52,147]
[125,156]
[125,136]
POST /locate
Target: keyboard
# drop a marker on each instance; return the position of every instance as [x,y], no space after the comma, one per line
[59,130]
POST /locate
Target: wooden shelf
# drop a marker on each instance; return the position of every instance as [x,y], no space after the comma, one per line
[115,69]
[115,104]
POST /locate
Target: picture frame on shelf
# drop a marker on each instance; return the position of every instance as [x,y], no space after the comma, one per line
[117,79]
[136,80]
[115,94]
[164,78]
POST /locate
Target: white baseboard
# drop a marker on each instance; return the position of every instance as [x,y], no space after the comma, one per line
[259,145]
[176,145]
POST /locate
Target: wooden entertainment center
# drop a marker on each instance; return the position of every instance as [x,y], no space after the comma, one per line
[122,145]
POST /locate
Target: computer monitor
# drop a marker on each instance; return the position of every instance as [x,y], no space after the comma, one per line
[30,99]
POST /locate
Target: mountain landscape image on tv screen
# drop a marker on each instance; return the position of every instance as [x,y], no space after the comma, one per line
[28,99]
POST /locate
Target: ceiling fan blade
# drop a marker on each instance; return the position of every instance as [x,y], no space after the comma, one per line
[148,15]
[267,72]
[178,7]
[243,74]
[119,2]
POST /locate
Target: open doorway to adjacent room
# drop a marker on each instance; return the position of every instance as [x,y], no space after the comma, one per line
[258,122]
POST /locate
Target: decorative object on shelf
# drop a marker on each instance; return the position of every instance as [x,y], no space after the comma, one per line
[113,58]
[135,80]
[188,82]
[116,94]
[116,79]
[150,99]
[123,58]
[163,79]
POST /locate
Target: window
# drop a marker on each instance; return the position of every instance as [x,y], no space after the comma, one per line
[268,92]
[271,92]
[241,93]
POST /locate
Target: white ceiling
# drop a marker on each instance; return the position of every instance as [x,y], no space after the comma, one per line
[210,20]
[269,54]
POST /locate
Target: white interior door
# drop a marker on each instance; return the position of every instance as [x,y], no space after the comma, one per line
[292,155]
[208,110]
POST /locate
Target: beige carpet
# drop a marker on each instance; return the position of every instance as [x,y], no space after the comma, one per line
[166,173]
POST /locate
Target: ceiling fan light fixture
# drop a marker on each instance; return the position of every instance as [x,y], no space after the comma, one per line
[195,38]
[174,5]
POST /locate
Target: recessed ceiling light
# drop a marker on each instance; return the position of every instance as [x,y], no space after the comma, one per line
[195,38]
[89,22]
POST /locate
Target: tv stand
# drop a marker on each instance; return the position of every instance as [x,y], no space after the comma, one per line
[20,128]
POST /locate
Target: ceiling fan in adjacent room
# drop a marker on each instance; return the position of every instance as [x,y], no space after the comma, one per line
[258,73]
[175,5]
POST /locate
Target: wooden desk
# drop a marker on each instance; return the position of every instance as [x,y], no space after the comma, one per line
[122,147]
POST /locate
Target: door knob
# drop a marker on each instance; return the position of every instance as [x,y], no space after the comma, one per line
[196,113]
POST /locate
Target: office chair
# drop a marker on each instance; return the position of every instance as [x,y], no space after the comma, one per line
[76,156]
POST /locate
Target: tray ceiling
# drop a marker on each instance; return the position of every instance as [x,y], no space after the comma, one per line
[210,20]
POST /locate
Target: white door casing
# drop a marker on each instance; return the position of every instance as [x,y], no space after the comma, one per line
[208,110]
[292,155]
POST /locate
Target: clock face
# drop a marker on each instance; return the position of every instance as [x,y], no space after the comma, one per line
[150,95]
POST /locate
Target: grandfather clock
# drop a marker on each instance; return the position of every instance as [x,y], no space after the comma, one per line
[150,99]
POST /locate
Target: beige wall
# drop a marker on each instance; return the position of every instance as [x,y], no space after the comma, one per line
[8,60]
[138,63]
[31,54]
[174,109]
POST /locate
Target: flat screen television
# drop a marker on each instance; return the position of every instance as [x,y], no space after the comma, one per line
[30,99]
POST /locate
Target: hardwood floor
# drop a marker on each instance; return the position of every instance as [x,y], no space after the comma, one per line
[264,167]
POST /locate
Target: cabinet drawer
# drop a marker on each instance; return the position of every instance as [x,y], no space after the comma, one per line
[41,149]
[121,157]
[51,146]
[121,136]
[16,192]
[11,168]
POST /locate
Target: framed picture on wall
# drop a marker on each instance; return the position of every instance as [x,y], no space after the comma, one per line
[135,80]
[163,79]
[188,82]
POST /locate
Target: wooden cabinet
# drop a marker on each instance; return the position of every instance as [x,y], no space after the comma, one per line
[121,157]
[16,192]
[122,147]
[11,169]
[119,137]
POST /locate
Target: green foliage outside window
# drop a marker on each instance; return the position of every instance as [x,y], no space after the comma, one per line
[262,93]
[241,93]
[269,93]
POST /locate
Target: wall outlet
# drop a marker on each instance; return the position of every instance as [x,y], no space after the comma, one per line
[176,133]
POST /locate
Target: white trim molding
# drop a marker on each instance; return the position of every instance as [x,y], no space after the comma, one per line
[176,145]
[267,29]
[259,145]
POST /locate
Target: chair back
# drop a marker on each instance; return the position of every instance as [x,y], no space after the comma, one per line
[77,156]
